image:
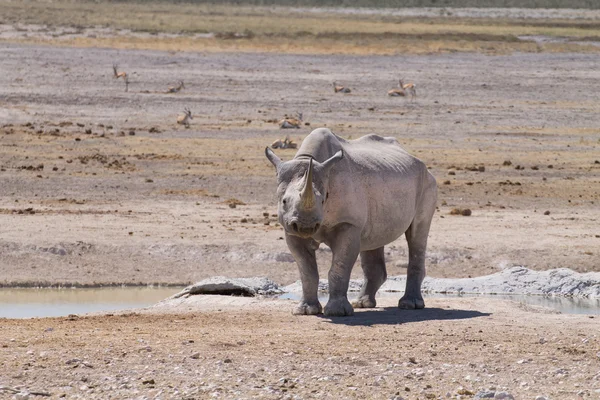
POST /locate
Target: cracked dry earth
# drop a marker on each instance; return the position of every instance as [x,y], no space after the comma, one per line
[220,347]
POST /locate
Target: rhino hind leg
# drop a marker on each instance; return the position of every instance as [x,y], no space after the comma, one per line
[373,266]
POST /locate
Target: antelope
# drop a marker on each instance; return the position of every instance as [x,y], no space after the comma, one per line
[408,87]
[287,123]
[395,92]
[175,89]
[286,143]
[185,118]
[340,89]
[117,74]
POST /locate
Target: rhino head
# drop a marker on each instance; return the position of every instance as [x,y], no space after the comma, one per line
[301,192]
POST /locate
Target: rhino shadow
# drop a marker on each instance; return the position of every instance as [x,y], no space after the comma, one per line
[396,316]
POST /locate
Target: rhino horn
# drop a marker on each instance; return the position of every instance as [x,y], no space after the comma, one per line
[308,196]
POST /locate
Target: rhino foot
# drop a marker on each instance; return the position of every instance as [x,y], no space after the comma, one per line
[307,309]
[364,302]
[411,302]
[339,307]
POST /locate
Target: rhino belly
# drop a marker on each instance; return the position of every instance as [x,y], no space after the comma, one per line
[390,215]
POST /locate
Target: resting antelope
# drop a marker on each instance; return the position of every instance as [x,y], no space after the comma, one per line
[175,89]
[286,143]
[117,74]
[408,87]
[287,123]
[397,91]
[340,89]
[185,118]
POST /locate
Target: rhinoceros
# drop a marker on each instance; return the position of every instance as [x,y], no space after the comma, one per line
[355,196]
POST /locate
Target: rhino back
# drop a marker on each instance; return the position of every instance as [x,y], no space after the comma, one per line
[371,153]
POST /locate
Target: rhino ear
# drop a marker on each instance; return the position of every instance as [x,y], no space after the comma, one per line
[276,161]
[330,162]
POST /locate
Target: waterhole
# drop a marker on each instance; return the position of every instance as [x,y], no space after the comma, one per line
[35,303]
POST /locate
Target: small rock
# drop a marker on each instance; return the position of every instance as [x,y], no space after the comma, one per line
[227,361]
[485,394]
[195,356]
[507,163]
[546,212]
[466,212]
[148,381]
[503,395]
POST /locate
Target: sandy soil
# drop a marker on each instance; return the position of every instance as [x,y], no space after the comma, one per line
[240,348]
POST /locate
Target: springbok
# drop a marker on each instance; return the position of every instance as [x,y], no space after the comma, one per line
[287,123]
[185,118]
[175,89]
[286,143]
[117,74]
[408,87]
[395,92]
[340,89]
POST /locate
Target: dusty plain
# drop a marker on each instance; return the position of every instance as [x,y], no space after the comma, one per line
[99,186]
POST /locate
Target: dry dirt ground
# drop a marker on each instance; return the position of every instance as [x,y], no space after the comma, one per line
[240,348]
[100,186]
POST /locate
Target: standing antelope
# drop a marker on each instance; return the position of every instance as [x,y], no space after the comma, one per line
[185,118]
[287,123]
[117,74]
[175,89]
[408,87]
[340,89]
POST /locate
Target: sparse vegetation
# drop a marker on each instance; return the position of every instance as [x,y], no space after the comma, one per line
[202,26]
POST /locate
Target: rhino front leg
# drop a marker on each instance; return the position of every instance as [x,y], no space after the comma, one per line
[416,236]
[373,266]
[345,246]
[303,251]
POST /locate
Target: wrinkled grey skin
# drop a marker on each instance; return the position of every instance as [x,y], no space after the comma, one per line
[355,196]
